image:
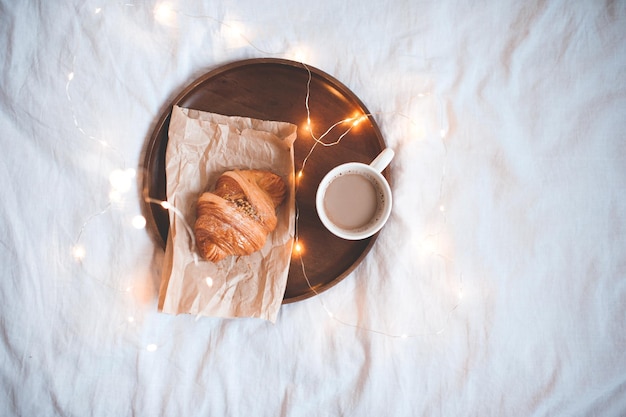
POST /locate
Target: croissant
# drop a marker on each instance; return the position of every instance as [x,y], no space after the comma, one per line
[237,216]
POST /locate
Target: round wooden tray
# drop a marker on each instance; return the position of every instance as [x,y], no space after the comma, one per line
[276,89]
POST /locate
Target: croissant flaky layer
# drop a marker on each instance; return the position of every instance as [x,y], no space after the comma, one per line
[237,216]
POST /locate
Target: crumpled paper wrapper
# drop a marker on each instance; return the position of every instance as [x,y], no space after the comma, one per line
[201,146]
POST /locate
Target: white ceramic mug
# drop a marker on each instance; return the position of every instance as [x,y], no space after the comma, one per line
[354,200]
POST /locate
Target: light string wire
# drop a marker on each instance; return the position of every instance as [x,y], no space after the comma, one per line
[190,233]
[354,121]
[120,178]
[77,249]
[319,141]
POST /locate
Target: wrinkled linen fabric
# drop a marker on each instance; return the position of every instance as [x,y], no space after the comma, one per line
[497,288]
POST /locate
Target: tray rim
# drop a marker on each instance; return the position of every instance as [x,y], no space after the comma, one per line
[154,143]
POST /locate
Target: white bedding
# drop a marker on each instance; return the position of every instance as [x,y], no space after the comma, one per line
[497,288]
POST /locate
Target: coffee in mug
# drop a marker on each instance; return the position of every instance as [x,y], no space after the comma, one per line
[351,201]
[354,199]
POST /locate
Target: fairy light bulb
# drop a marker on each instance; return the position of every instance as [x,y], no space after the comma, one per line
[164,14]
[139,222]
[79,252]
[234,30]
[298,248]
[429,246]
[233,34]
[299,54]
[115,197]
[120,180]
[357,120]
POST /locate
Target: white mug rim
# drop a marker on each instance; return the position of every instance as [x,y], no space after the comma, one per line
[321,211]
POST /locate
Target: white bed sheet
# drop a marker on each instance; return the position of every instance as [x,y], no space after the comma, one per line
[498,287]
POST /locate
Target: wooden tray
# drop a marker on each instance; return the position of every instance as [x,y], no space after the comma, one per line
[276,89]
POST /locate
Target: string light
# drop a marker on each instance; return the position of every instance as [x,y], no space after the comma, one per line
[120,179]
[139,222]
[298,248]
[353,122]
[190,233]
[78,252]
[82,229]
[164,14]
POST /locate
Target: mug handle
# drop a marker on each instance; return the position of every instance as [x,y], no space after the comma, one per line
[383,159]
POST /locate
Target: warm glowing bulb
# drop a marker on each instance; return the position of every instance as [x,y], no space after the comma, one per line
[234,30]
[299,54]
[131,319]
[357,120]
[78,252]
[298,249]
[164,14]
[429,246]
[115,196]
[416,130]
[442,208]
[209,281]
[233,34]
[121,180]
[165,205]
[139,222]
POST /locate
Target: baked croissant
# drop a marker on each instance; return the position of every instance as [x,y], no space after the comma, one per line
[237,216]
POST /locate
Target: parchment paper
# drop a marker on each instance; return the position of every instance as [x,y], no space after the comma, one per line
[200,148]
